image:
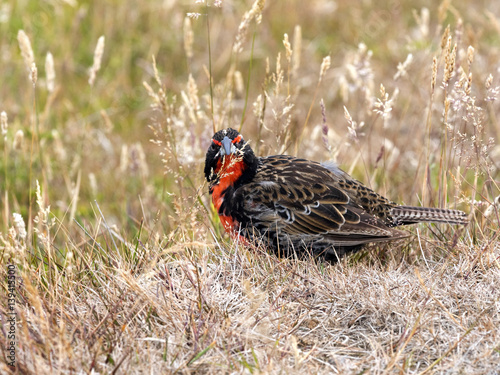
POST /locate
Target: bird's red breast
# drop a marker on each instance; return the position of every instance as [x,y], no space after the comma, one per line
[229,171]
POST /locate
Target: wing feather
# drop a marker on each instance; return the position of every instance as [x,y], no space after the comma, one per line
[304,198]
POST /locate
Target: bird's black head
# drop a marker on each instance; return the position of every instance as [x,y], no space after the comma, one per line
[228,144]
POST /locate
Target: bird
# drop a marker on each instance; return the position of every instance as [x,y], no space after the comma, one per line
[295,206]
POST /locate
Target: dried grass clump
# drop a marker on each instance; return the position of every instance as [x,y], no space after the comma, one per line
[212,309]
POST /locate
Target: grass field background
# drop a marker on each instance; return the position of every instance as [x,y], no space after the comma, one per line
[121,263]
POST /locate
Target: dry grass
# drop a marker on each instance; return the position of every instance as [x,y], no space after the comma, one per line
[121,265]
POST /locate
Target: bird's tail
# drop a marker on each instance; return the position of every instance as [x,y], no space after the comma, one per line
[403,215]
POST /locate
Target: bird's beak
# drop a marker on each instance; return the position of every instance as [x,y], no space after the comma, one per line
[227,146]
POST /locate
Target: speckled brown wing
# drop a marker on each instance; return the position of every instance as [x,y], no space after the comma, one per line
[307,202]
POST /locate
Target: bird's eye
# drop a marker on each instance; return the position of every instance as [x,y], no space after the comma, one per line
[215,145]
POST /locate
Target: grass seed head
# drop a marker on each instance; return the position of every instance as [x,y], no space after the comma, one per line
[254,13]
[193,16]
[325,65]
[188,37]
[288,48]
[96,66]
[4,125]
[445,37]
[423,22]
[489,81]
[50,72]
[18,140]
[470,56]
[238,83]
[297,47]
[26,50]
[450,59]
[434,73]
[34,74]
[19,225]
[402,67]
